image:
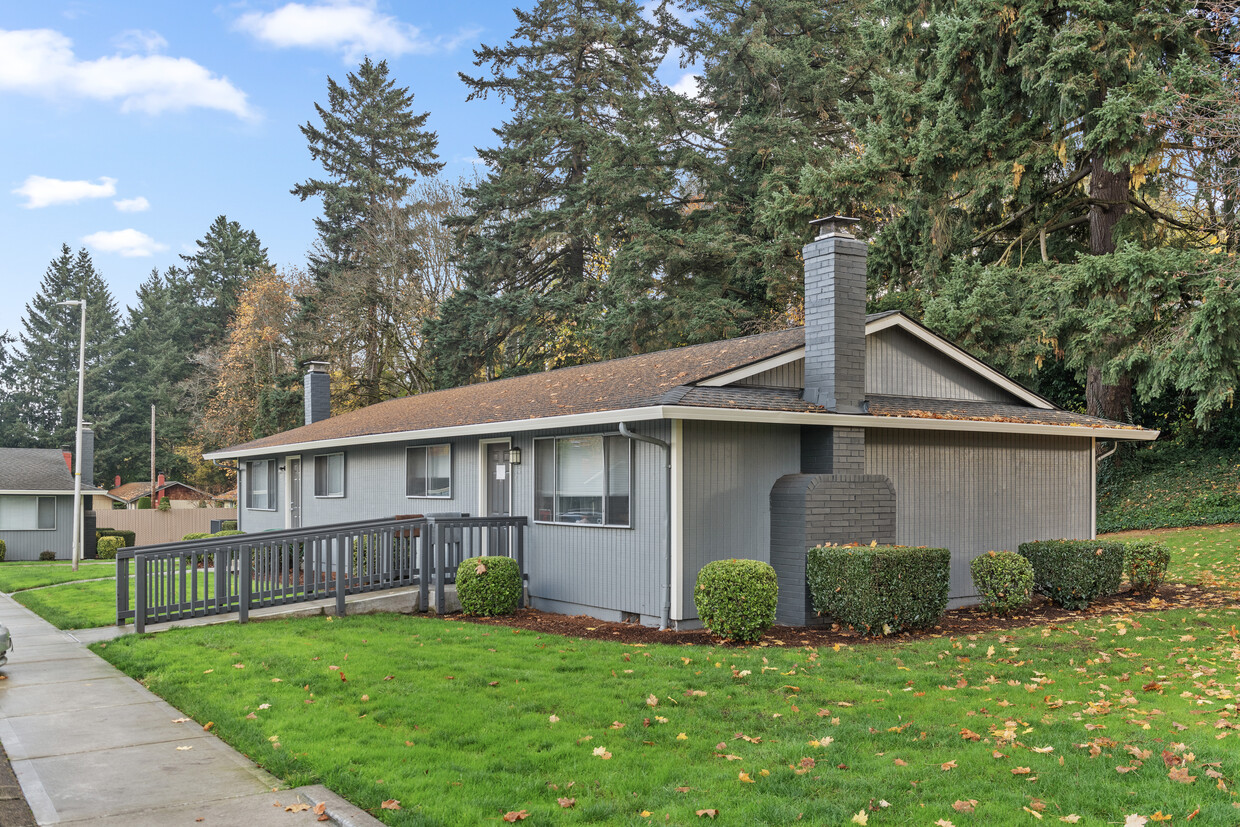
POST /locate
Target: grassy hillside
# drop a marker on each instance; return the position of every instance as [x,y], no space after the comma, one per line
[1169,484]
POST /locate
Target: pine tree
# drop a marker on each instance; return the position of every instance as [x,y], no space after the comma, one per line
[46,367]
[373,148]
[575,177]
[226,258]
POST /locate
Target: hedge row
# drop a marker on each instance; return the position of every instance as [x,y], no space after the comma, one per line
[879,589]
[1073,573]
[126,534]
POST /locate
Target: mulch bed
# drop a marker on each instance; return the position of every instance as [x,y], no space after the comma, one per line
[957,622]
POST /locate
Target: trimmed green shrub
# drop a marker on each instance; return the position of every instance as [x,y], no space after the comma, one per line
[736,599]
[226,533]
[1146,563]
[488,585]
[165,504]
[2,550]
[1003,579]
[125,533]
[47,554]
[108,546]
[144,503]
[196,535]
[879,590]
[228,525]
[1073,573]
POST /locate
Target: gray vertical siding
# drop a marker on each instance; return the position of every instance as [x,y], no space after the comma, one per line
[27,545]
[977,492]
[898,364]
[729,469]
[791,375]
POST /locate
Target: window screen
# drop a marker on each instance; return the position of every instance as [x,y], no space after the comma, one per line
[428,471]
[583,480]
[329,475]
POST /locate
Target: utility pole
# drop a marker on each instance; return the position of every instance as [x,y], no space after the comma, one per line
[152,492]
[77,454]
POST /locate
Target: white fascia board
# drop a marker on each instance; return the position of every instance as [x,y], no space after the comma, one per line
[753,369]
[951,351]
[905,422]
[481,429]
[40,493]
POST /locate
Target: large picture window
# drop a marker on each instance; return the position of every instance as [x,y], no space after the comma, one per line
[428,471]
[583,480]
[329,475]
[260,492]
[27,513]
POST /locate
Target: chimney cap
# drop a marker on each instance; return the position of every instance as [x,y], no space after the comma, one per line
[317,367]
[834,225]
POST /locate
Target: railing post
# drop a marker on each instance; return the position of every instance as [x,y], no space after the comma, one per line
[423,552]
[341,583]
[437,538]
[243,583]
[139,601]
[220,575]
[122,589]
[520,529]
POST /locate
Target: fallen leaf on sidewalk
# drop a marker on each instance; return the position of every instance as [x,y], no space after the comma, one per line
[179,720]
[184,748]
[320,808]
[296,808]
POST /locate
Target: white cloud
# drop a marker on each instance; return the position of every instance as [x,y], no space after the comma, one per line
[41,62]
[146,41]
[47,192]
[352,27]
[139,204]
[128,243]
[687,86]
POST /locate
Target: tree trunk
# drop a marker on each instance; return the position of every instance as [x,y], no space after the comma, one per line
[1101,399]
[1109,401]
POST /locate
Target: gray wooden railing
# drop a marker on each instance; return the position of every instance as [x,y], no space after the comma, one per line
[220,575]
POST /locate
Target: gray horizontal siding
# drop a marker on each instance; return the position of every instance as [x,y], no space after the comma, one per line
[975,492]
[28,545]
[899,364]
[729,469]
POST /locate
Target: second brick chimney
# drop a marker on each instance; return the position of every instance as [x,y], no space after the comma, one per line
[835,286]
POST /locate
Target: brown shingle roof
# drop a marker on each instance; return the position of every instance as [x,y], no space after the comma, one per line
[131,491]
[917,407]
[631,382]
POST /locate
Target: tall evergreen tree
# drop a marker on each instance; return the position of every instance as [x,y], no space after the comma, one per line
[227,256]
[575,170]
[373,148]
[46,367]
[13,432]
[1007,131]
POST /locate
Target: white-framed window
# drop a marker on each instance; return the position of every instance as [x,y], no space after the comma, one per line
[583,480]
[428,471]
[260,485]
[329,475]
[27,513]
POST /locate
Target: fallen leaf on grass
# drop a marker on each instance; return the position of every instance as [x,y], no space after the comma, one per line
[1043,750]
[616,725]
[970,735]
[1071,818]
[1033,813]
[652,700]
[744,776]
[948,766]
[965,806]
[711,813]
[207,726]
[553,718]
[602,752]
[390,804]
[1181,774]
[1021,770]
[862,818]
[900,762]
[1138,753]
[1160,816]
[1135,820]
[516,815]
[682,737]
[942,822]
[1170,759]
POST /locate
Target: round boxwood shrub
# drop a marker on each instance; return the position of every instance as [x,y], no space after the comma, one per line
[2,549]
[47,554]
[108,546]
[736,599]
[1004,580]
[196,535]
[144,503]
[1146,563]
[488,586]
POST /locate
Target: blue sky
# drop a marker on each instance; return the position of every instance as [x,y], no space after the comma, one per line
[127,127]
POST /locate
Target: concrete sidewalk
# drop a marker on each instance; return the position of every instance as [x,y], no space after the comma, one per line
[89,745]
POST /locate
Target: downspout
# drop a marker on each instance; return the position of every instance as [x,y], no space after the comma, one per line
[666,619]
[1101,457]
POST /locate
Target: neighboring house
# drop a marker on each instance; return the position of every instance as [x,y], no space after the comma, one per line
[853,429]
[178,494]
[36,500]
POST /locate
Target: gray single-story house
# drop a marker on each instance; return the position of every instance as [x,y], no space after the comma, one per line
[636,472]
[36,500]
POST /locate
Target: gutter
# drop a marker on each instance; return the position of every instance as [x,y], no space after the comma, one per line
[666,618]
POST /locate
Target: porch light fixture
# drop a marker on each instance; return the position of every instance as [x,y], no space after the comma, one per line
[514,456]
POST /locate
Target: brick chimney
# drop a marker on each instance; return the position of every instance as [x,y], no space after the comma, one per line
[835,285]
[157,494]
[117,484]
[318,392]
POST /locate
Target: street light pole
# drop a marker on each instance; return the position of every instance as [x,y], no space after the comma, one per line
[77,454]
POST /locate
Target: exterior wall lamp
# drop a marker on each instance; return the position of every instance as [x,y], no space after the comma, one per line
[514,456]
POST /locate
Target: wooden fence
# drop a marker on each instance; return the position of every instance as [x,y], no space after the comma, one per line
[152,526]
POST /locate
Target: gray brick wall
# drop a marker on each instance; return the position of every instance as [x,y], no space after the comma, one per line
[318,396]
[811,509]
[835,284]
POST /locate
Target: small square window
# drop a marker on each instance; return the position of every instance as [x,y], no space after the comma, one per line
[329,475]
[428,471]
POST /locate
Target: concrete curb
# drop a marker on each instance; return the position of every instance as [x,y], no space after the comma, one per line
[338,810]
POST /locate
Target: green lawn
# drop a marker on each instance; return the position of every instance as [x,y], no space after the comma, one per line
[1209,556]
[83,605]
[462,723]
[15,577]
